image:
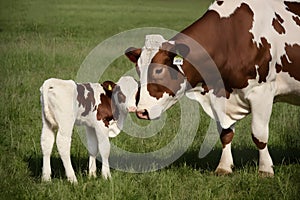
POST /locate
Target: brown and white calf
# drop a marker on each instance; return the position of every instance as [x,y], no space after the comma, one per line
[237,59]
[101,108]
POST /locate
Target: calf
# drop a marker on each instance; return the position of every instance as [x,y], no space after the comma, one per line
[101,108]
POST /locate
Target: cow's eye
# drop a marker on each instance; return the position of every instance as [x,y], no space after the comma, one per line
[158,71]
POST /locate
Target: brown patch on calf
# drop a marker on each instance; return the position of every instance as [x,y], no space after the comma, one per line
[86,102]
[277,24]
[104,110]
[290,61]
[226,136]
[260,145]
[108,110]
[118,98]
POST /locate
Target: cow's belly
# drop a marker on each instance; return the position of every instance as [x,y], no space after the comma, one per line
[287,89]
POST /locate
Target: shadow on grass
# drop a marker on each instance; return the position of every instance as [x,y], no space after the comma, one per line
[58,171]
[242,157]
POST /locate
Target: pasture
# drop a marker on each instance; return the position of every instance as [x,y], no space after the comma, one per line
[43,39]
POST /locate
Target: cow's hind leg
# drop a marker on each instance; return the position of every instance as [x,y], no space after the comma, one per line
[63,142]
[47,141]
[92,143]
[226,162]
[261,109]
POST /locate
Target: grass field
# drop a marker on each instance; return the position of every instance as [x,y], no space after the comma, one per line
[43,39]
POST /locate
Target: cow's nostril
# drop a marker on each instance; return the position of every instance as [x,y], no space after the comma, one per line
[142,114]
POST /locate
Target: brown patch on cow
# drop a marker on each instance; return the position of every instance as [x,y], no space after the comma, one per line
[290,61]
[162,62]
[260,145]
[134,54]
[226,136]
[229,42]
[220,3]
[293,7]
[277,24]
[297,20]
[262,60]
[104,110]
[86,102]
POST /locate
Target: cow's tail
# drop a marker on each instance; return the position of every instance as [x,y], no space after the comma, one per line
[46,108]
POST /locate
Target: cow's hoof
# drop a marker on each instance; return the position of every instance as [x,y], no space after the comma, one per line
[263,174]
[73,180]
[222,172]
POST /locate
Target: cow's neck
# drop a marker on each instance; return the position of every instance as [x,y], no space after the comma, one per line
[203,40]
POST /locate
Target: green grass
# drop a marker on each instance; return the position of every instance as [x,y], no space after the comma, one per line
[43,39]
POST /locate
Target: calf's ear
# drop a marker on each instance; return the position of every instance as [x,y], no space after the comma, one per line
[133,54]
[108,87]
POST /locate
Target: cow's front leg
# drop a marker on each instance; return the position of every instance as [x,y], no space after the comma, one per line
[226,162]
[261,101]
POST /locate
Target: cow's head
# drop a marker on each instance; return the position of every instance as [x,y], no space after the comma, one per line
[162,80]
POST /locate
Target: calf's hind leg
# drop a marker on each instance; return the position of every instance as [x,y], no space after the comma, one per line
[47,141]
[63,142]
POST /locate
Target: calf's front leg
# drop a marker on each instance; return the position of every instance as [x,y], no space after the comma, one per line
[92,143]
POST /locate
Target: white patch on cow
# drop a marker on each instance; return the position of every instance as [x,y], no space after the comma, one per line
[265,29]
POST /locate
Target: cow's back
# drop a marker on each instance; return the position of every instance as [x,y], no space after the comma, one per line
[275,31]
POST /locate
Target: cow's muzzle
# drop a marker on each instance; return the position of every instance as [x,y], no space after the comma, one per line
[142,114]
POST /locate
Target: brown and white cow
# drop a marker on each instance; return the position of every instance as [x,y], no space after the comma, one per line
[101,108]
[238,58]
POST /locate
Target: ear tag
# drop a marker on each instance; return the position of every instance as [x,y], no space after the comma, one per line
[178,60]
[109,87]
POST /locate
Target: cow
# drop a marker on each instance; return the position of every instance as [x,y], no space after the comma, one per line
[101,108]
[239,58]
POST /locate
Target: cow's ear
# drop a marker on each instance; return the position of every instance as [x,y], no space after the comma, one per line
[181,50]
[108,87]
[133,54]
